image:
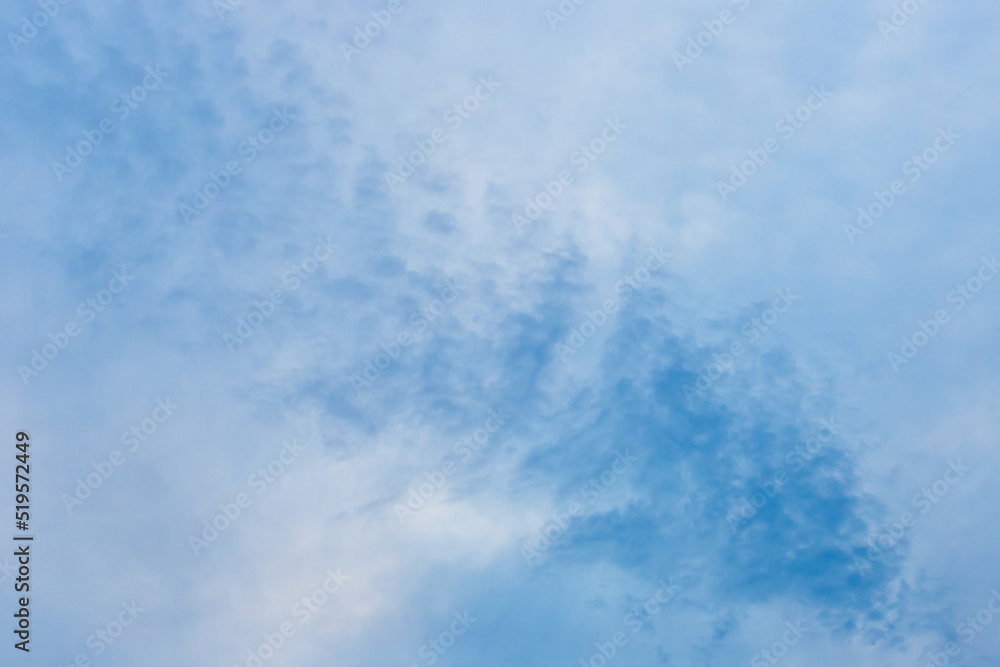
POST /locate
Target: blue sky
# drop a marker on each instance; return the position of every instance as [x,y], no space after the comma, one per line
[519,333]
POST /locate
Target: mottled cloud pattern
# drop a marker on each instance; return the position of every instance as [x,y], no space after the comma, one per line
[389,333]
